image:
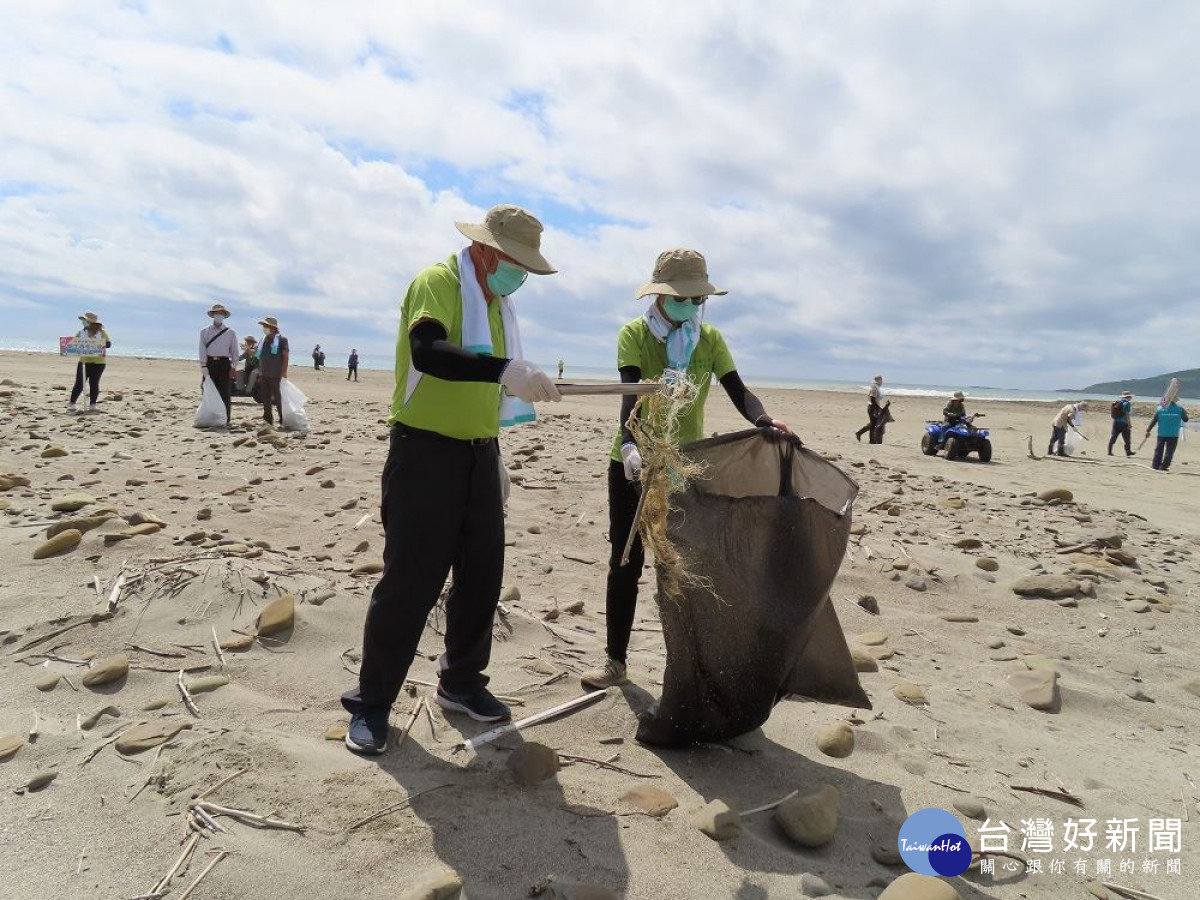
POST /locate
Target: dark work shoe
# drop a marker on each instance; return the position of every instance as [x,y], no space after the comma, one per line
[368,733]
[480,705]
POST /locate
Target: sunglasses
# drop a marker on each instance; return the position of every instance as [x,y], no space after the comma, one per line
[697,301]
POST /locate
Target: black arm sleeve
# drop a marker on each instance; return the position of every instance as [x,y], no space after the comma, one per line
[629,375]
[746,402]
[434,355]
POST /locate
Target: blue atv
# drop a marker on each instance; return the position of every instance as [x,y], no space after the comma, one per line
[959,439]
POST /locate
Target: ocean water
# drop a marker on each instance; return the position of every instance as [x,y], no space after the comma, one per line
[368,361]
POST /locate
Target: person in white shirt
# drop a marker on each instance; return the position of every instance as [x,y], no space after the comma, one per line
[219,355]
[878,413]
[1068,417]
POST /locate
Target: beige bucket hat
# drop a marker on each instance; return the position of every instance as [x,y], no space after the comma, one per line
[514,232]
[90,319]
[270,320]
[959,395]
[219,310]
[680,273]
[1127,394]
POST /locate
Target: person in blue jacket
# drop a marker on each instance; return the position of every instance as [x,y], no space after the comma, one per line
[1169,419]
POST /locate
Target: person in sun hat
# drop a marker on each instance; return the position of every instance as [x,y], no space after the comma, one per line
[956,410]
[90,367]
[1122,423]
[669,335]
[1068,417]
[219,355]
[272,356]
[247,377]
[460,377]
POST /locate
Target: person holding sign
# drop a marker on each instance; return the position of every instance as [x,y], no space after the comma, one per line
[91,366]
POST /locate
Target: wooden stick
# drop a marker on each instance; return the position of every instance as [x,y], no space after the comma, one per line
[221,854]
[1060,794]
[166,879]
[637,519]
[187,698]
[605,764]
[635,389]
[114,596]
[537,718]
[395,807]
[220,784]
[412,718]
[768,806]
[216,645]
[1130,892]
[248,817]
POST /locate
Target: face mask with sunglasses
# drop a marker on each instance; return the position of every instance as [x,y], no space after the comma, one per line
[506,279]
[680,309]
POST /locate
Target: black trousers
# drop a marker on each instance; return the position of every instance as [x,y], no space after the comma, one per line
[442,511]
[269,392]
[219,369]
[875,425]
[1164,452]
[93,371]
[620,598]
[1120,429]
[353,370]
[1057,436]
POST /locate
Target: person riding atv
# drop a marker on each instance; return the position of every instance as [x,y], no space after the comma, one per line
[956,410]
[956,433]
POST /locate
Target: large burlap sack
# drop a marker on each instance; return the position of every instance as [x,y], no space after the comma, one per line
[766,527]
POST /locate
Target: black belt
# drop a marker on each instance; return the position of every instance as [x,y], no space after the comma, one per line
[409,431]
[226,358]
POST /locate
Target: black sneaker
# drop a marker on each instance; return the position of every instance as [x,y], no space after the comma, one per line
[368,733]
[480,705]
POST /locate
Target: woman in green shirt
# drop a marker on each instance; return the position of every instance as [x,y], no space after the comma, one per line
[669,335]
[91,367]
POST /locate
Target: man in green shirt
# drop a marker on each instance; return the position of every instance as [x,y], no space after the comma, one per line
[459,377]
[668,336]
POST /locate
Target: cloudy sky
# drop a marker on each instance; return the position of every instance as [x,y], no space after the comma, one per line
[977,193]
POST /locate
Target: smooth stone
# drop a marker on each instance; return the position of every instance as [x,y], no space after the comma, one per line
[958,617]
[72,502]
[836,740]
[810,821]
[1037,687]
[954,502]
[995,643]
[1139,695]
[863,661]
[916,583]
[910,693]
[971,808]
[82,524]
[48,682]
[872,638]
[987,564]
[887,853]
[914,886]
[650,800]
[54,452]
[869,603]
[156,703]
[1046,586]
[60,543]
[814,886]
[140,738]
[238,642]
[107,671]
[968,543]
[319,598]
[278,615]
[88,723]
[367,568]
[10,744]
[532,763]
[1061,494]
[1004,656]
[206,683]
[881,653]
[718,820]
[443,886]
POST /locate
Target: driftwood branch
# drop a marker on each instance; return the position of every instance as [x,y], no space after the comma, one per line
[395,807]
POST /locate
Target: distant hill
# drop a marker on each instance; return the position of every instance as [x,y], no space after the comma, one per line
[1189,385]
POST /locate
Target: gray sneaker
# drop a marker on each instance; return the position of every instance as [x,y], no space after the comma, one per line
[611,674]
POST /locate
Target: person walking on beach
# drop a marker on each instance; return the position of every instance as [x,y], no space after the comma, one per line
[1122,426]
[878,413]
[1169,419]
[318,357]
[90,367]
[460,377]
[272,367]
[219,354]
[352,365]
[956,410]
[561,366]
[669,335]
[1068,417]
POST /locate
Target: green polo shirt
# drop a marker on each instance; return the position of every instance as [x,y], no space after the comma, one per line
[636,346]
[457,409]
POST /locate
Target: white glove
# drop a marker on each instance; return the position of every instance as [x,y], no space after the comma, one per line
[528,382]
[505,481]
[632,460]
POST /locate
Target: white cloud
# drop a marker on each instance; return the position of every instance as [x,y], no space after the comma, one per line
[953,192]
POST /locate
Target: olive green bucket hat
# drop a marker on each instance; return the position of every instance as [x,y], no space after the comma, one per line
[680,273]
[515,233]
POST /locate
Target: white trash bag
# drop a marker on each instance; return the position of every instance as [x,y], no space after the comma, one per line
[292,402]
[211,411]
[1073,442]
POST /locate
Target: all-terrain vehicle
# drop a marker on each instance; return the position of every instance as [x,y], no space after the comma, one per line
[958,439]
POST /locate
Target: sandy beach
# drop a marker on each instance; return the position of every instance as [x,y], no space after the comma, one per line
[231,521]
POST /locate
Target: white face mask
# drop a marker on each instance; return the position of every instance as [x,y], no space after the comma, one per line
[218,320]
